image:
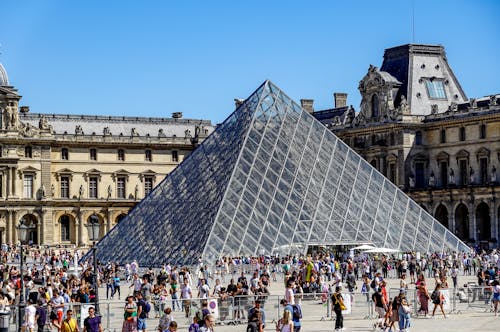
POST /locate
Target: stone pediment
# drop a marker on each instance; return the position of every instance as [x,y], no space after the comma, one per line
[443,156]
[462,154]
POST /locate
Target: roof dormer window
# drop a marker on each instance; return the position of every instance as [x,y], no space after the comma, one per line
[435,88]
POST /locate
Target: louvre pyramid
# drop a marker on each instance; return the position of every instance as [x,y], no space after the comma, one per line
[270,179]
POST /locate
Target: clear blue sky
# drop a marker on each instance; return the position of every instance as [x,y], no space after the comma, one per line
[152,58]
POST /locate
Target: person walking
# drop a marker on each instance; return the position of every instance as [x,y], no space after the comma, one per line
[423,295]
[285,324]
[130,316]
[338,306]
[496,296]
[437,299]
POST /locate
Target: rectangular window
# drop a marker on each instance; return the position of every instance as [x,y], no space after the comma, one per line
[419,175]
[462,164]
[148,156]
[64,186]
[483,170]
[28,186]
[64,154]
[93,154]
[93,187]
[442,135]
[1,185]
[443,173]
[392,172]
[435,89]
[120,187]
[148,186]
[175,156]
[482,131]
[121,154]
[28,152]
[462,134]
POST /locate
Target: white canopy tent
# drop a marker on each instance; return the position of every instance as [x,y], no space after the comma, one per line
[364,247]
[382,250]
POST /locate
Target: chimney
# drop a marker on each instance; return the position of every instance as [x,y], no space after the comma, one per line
[340,99]
[307,105]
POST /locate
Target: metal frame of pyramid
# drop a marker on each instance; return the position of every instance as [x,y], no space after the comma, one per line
[270,179]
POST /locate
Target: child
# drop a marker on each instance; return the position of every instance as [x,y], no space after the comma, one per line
[194,327]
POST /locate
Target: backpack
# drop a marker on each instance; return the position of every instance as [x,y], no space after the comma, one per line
[147,307]
[372,284]
[435,296]
[296,313]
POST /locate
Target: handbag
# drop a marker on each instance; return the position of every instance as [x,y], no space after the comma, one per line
[406,309]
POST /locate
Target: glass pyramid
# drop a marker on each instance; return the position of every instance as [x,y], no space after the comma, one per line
[271,179]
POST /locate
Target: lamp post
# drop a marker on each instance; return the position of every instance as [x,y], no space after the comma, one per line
[22,230]
[93,228]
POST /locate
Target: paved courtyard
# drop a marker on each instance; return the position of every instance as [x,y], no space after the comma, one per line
[467,318]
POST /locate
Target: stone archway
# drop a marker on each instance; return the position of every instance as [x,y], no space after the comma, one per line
[120,217]
[31,221]
[462,222]
[483,222]
[442,215]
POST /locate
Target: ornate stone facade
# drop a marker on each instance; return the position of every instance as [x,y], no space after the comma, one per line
[59,173]
[439,147]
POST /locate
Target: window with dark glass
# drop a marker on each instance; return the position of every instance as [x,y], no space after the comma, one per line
[64,154]
[483,170]
[64,186]
[148,185]
[93,154]
[175,156]
[419,175]
[462,164]
[482,131]
[93,187]
[1,185]
[461,134]
[120,187]
[64,221]
[28,152]
[93,219]
[442,136]
[1,151]
[435,89]
[392,172]
[443,173]
[418,138]
[375,110]
[121,154]
[148,156]
[392,139]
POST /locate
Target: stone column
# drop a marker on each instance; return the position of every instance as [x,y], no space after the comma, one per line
[8,227]
[13,224]
[39,229]
[7,182]
[493,220]
[14,181]
[451,222]
[472,222]
[80,228]
[108,222]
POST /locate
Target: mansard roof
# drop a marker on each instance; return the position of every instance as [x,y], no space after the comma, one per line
[119,125]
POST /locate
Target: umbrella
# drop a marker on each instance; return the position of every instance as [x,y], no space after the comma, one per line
[382,250]
[364,247]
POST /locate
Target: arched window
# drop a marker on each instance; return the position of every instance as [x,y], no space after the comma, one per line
[375,110]
[65,232]
[93,219]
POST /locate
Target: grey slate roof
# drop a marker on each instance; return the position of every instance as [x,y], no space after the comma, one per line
[66,123]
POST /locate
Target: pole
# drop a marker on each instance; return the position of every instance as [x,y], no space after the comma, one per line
[96,284]
[20,313]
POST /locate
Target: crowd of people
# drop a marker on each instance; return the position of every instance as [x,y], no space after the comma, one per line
[239,285]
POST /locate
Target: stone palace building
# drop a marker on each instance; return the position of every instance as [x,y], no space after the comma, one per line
[418,128]
[60,173]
